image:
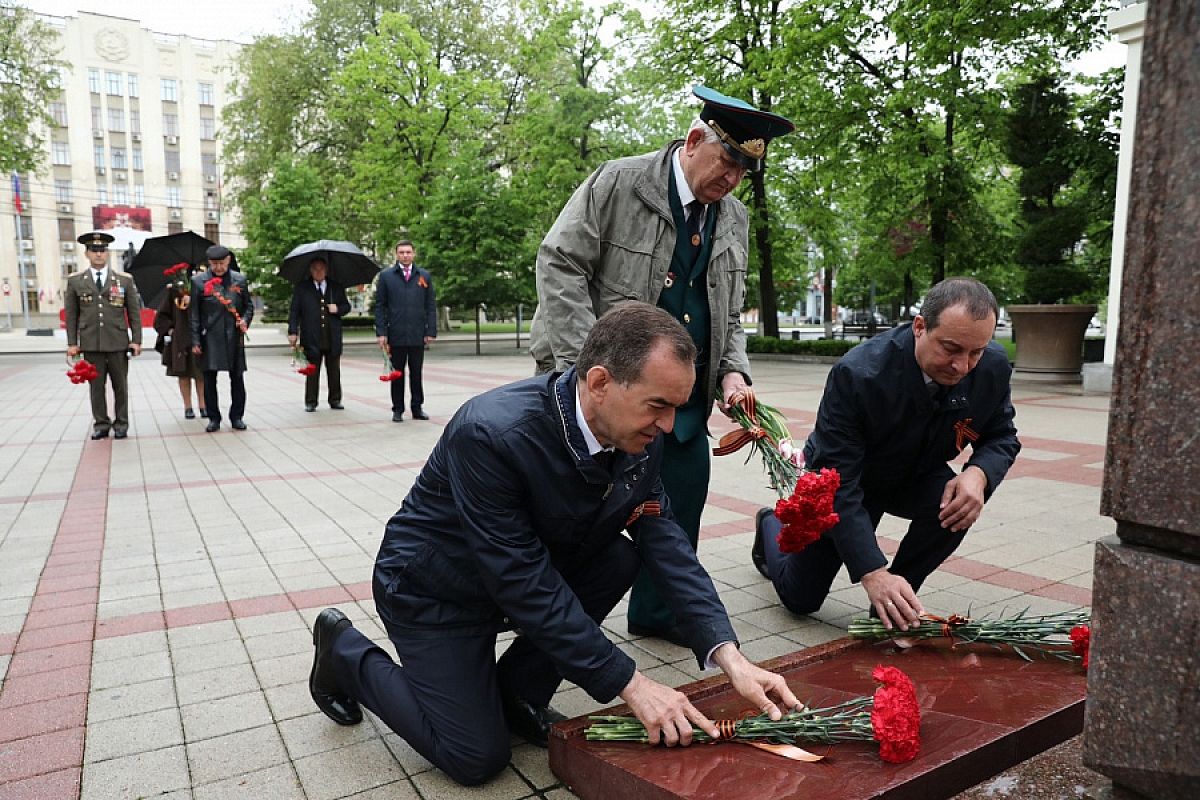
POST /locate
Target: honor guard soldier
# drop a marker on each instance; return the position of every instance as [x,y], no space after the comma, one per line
[104,322]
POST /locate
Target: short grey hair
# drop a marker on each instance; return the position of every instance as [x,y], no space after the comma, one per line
[709,134]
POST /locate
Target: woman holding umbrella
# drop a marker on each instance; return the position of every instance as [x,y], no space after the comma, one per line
[175,337]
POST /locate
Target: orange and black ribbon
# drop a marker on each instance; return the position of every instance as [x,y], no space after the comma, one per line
[963,433]
[650,508]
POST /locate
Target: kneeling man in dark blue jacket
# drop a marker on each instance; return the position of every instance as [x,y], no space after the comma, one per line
[516,523]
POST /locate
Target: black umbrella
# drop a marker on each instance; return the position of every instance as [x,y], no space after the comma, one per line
[159,253]
[348,265]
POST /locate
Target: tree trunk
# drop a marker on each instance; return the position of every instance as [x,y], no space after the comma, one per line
[768,312]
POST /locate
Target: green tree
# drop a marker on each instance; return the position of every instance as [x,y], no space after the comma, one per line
[292,209]
[29,80]
[1039,136]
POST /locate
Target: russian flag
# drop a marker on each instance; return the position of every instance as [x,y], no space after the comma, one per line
[16,184]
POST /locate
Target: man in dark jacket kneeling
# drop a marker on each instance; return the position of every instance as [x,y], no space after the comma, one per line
[516,523]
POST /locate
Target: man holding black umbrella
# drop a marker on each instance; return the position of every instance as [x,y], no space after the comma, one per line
[315,320]
[221,313]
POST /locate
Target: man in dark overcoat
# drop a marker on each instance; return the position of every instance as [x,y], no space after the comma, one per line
[896,409]
[315,321]
[221,311]
[482,544]
[104,322]
[405,323]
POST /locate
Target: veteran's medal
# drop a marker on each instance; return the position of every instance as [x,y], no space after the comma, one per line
[695,240]
[670,281]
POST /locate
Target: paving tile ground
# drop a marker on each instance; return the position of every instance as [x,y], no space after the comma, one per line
[156,593]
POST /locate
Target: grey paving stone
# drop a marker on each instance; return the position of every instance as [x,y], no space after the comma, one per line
[226,715]
[221,757]
[273,783]
[435,785]
[316,733]
[130,699]
[127,736]
[204,657]
[344,771]
[124,671]
[143,775]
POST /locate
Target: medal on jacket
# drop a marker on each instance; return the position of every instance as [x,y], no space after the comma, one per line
[695,240]
[670,281]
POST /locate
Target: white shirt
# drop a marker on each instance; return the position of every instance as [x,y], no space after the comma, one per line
[103,275]
[320,287]
[685,191]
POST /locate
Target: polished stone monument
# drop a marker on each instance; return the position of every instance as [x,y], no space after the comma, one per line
[1142,726]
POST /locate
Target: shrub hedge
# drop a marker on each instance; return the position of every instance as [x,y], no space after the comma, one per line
[805,347]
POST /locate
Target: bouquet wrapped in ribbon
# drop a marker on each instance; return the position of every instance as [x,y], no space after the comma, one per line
[298,356]
[1065,635]
[891,717]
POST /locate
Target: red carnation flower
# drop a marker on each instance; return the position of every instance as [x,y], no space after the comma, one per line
[82,371]
[212,286]
[1081,643]
[808,513]
[896,716]
[307,369]
[392,376]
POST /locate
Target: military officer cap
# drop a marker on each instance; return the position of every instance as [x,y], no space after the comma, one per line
[217,251]
[96,240]
[744,131]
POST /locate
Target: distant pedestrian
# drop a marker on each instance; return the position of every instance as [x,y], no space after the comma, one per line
[221,311]
[405,323]
[104,322]
[173,324]
[315,320]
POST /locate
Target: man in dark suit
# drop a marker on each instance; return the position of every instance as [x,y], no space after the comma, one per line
[480,546]
[104,320]
[405,323]
[896,409]
[316,315]
[221,313]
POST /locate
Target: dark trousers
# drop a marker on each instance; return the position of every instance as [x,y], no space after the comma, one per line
[333,374]
[802,579]
[685,474]
[408,360]
[445,699]
[110,367]
[237,391]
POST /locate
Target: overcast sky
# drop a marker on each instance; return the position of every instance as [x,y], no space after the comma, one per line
[242,20]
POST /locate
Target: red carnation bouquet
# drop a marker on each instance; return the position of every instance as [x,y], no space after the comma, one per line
[298,355]
[1081,643]
[82,371]
[891,717]
[214,287]
[808,513]
[389,374]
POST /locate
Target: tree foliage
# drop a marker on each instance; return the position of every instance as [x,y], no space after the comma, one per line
[29,80]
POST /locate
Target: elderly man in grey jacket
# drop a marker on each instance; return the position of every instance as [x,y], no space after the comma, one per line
[662,228]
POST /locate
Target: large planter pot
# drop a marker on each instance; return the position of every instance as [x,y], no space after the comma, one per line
[1050,341]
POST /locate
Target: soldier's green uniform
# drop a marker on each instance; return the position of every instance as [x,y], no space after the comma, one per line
[103,318]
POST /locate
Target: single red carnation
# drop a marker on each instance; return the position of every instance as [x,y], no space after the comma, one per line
[1081,643]
[307,369]
[896,716]
[808,513]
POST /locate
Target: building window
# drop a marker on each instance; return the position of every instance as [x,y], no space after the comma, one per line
[68,266]
[120,194]
[208,165]
[137,159]
[212,232]
[62,190]
[98,152]
[58,110]
[171,124]
[102,194]
[173,200]
[135,121]
[93,80]
[61,154]
[139,195]
[174,227]
[170,90]
[112,82]
[116,119]
[66,229]
[97,118]
[172,160]
[208,128]
[210,200]
[206,94]
[118,158]
[131,81]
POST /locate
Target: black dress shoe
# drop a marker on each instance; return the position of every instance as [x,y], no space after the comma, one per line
[204,413]
[418,413]
[397,416]
[674,634]
[213,426]
[310,407]
[528,721]
[189,413]
[336,406]
[758,550]
[120,434]
[99,434]
[238,425]
[322,682]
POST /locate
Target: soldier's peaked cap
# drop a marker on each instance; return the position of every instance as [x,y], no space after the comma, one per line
[95,240]
[744,130]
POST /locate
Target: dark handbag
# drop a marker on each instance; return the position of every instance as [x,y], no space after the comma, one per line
[160,344]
